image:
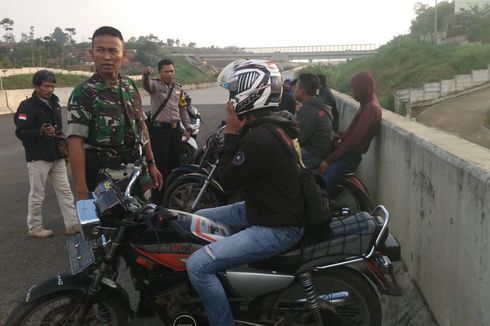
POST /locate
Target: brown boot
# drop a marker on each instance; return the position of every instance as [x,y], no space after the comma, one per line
[40,233]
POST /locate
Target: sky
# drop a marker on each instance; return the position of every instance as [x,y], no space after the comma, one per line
[249,23]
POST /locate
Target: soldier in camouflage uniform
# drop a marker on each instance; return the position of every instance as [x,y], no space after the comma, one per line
[105,117]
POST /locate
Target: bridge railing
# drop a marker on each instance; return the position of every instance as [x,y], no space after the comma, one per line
[314,48]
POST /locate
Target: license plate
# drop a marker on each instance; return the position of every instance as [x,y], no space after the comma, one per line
[80,253]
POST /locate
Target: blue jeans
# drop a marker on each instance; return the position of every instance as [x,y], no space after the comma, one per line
[311,161]
[336,171]
[250,244]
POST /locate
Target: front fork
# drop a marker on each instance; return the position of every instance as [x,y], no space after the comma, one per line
[94,288]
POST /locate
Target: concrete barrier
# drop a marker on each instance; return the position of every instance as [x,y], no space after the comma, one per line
[437,188]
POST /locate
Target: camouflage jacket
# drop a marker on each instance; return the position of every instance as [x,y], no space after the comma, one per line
[107,116]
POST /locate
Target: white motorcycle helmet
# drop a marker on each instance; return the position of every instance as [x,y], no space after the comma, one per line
[253,84]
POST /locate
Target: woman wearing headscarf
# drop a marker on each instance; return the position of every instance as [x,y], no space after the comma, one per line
[354,141]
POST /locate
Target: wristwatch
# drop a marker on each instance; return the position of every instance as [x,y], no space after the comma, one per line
[150,162]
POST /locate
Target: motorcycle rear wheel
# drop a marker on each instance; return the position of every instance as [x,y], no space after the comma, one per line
[181,196]
[348,196]
[60,308]
[346,298]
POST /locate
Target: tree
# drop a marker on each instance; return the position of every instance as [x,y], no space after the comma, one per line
[192,44]
[177,42]
[424,22]
[170,42]
[59,36]
[31,41]
[7,24]
[71,32]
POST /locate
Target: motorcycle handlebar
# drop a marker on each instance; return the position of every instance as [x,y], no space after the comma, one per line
[134,177]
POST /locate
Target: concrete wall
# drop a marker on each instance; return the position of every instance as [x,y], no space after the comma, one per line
[431,91]
[437,189]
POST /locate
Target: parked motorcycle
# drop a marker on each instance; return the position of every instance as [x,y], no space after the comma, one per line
[329,282]
[189,147]
[194,186]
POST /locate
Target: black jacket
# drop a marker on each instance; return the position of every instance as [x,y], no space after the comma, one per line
[30,116]
[328,97]
[288,103]
[315,127]
[256,163]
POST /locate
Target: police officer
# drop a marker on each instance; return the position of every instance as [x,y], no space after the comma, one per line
[105,112]
[168,107]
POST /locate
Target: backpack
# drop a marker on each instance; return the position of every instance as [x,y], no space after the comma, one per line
[313,186]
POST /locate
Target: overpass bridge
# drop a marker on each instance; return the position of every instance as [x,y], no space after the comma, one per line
[282,55]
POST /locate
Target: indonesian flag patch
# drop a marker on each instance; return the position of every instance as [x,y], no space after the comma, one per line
[22,116]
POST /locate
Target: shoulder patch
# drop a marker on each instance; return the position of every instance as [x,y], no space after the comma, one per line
[239,158]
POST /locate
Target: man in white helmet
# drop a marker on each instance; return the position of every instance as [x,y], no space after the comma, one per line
[256,158]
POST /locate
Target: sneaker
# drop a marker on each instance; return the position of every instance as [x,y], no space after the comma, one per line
[40,233]
[71,230]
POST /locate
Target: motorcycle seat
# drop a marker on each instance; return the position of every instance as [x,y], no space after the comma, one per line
[348,237]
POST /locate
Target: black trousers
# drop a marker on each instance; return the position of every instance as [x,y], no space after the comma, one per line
[165,144]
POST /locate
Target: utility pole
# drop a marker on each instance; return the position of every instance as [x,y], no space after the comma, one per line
[435,24]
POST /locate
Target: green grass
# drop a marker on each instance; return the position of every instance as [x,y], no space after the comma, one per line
[486,122]
[25,81]
[406,62]
[185,74]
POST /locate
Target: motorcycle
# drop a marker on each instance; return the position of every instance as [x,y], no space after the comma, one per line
[193,186]
[189,147]
[327,282]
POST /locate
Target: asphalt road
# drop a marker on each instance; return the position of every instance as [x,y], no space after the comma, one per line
[26,260]
[462,116]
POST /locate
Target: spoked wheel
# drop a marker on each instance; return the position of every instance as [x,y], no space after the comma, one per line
[181,196]
[60,309]
[346,298]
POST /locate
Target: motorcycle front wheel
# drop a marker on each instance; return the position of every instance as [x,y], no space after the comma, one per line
[346,298]
[182,194]
[60,309]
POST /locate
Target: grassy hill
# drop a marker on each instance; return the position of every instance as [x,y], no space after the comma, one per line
[405,62]
[185,74]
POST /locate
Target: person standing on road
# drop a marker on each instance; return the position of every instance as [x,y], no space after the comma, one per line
[106,122]
[314,120]
[38,121]
[350,144]
[168,108]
